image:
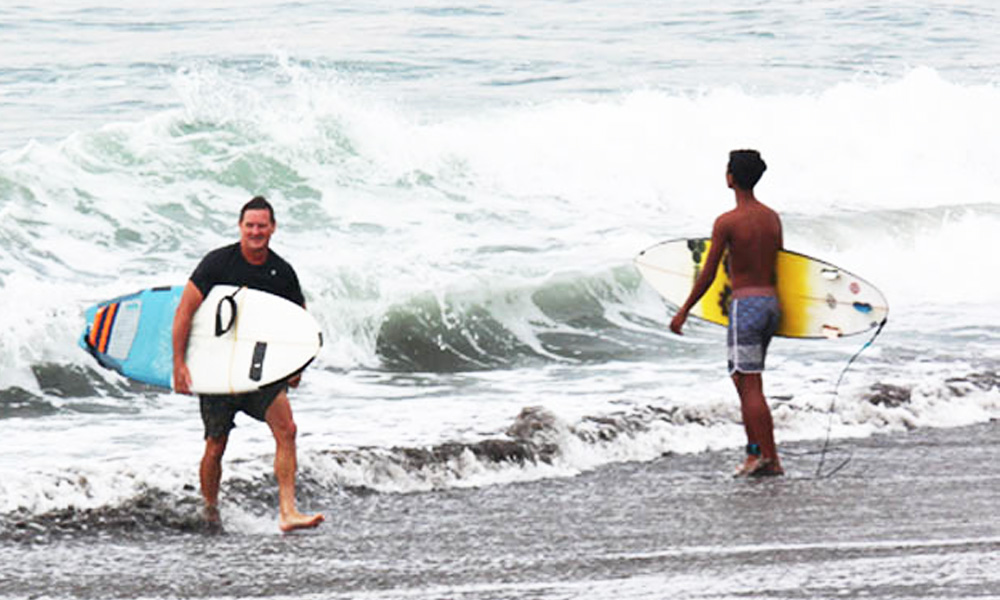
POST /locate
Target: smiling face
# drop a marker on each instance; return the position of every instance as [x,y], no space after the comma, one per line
[256,228]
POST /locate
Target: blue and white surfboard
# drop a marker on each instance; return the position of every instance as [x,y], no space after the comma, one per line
[265,338]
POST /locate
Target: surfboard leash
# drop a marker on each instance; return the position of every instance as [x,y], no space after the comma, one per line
[833,405]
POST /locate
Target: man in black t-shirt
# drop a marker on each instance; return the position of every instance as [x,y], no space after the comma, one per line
[227,266]
[251,263]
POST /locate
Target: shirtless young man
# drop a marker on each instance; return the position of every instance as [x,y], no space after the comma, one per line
[252,263]
[752,234]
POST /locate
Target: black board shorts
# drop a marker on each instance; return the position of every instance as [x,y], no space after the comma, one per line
[218,411]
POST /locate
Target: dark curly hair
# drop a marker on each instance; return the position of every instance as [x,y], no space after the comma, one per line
[746,167]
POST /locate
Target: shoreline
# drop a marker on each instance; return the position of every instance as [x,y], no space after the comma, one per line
[909,509]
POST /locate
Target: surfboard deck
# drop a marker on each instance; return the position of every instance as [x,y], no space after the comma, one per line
[817,298]
[267,339]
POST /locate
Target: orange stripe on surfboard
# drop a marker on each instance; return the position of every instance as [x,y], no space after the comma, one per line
[106,328]
[95,327]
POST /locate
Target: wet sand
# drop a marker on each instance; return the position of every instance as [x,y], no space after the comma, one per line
[912,515]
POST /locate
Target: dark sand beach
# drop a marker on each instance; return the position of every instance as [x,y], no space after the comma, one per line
[912,515]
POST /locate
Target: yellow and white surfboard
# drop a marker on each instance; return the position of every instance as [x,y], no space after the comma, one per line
[818,299]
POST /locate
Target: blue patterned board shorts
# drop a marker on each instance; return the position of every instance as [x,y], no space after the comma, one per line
[752,323]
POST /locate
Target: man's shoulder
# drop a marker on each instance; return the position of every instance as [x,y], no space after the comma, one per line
[729,215]
[767,208]
[727,219]
[220,258]
[744,213]
[222,251]
[276,259]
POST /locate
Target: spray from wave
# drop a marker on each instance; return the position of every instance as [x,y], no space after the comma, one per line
[488,240]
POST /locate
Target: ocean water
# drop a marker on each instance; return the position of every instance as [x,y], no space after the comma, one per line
[462,189]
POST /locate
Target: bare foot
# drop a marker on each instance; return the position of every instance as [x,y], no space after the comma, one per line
[747,467]
[767,468]
[300,521]
[213,522]
[755,466]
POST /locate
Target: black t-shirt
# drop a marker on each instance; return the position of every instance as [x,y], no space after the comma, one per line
[227,266]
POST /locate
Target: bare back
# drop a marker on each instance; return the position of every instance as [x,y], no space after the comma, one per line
[752,234]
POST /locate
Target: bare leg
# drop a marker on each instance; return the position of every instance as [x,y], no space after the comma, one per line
[211,475]
[279,418]
[757,420]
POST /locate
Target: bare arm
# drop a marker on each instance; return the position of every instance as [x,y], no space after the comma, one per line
[706,277]
[191,299]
